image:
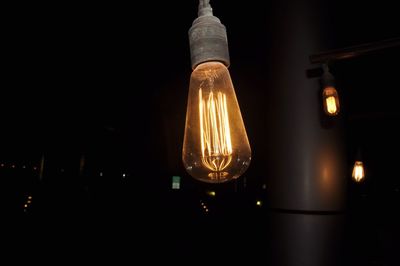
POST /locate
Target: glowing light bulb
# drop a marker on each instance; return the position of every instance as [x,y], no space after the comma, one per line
[331,101]
[215,148]
[358,171]
[330,96]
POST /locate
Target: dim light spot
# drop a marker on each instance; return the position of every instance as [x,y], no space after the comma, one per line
[211,193]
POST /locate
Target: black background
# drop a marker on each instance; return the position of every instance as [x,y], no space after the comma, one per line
[110,80]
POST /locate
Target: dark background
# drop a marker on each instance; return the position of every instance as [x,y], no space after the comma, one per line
[109,81]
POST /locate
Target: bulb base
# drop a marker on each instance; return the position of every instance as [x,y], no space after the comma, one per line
[208,41]
[327,79]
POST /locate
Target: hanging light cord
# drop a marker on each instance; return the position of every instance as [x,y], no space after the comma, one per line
[207,37]
[205,8]
[327,77]
[325,67]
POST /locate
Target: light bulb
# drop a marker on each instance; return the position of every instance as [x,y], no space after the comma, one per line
[358,171]
[215,148]
[331,101]
[215,145]
[330,96]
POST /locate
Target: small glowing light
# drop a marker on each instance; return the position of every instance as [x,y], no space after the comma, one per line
[34,168]
[206,210]
[123,175]
[2,165]
[358,171]
[29,201]
[204,206]
[331,101]
[23,166]
[176,182]
[101,174]
[26,205]
[258,202]
[29,197]
[330,95]
[264,186]
[211,193]
[13,166]
[331,105]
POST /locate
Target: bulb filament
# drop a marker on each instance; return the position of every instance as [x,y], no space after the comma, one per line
[215,135]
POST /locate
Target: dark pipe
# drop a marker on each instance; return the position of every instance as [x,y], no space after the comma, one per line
[353,51]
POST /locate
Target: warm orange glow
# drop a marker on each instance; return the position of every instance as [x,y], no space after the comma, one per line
[331,101]
[215,136]
[358,171]
[331,105]
[215,147]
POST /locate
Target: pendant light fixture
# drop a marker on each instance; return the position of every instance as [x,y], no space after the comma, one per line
[358,173]
[330,96]
[215,147]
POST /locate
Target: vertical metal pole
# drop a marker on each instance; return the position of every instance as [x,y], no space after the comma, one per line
[306,174]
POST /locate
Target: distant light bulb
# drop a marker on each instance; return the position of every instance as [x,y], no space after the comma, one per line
[211,193]
[331,101]
[216,148]
[358,171]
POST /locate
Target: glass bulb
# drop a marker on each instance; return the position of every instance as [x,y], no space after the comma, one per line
[215,146]
[358,171]
[331,101]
